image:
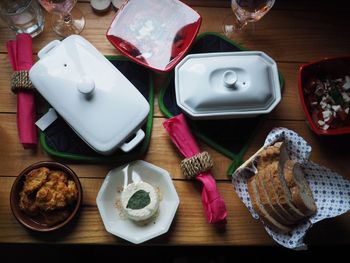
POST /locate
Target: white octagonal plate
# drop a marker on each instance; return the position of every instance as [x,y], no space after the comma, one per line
[108,199]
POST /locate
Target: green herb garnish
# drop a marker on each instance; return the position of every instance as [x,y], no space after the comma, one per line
[139,200]
[336,96]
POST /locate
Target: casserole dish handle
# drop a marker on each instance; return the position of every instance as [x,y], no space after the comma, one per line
[50,46]
[128,146]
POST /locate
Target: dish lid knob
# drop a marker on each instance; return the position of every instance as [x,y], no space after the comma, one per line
[86,86]
[230,79]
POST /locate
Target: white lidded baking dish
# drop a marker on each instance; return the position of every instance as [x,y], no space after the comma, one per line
[100,104]
[227,85]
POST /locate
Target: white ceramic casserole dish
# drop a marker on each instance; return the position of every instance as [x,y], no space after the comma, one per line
[227,85]
[100,104]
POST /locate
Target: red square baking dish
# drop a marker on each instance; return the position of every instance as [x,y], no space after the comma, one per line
[153,33]
[324,91]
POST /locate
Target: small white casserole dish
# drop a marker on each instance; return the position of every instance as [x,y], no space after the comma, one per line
[227,85]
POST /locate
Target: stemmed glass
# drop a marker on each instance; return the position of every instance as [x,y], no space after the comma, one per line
[66,20]
[245,11]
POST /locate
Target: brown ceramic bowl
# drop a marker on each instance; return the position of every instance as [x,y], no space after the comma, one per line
[37,223]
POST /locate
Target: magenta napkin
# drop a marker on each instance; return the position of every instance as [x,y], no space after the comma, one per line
[21,58]
[180,134]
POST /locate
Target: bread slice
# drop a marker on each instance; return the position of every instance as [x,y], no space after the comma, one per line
[272,209]
[282,208]
[272,156]
[274,200]
[259,208]
[302,196]
[280,185]
[276,156]
[282,195]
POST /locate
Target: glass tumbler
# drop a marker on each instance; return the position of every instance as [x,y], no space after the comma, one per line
[23,16]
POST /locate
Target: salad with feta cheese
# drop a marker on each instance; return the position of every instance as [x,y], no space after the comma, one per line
[328,101]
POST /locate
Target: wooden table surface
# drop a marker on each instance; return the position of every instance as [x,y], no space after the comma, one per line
[293,33]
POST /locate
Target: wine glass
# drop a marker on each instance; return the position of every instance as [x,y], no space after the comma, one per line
[245,11]
[66,20]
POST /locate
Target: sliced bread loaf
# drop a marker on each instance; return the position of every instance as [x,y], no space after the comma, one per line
[259,208]
[271,208]
[279,191]
[275,156]
[302,196]
[282,208]
[283,193]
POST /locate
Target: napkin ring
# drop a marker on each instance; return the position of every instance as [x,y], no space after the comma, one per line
[196,164]
[20,81]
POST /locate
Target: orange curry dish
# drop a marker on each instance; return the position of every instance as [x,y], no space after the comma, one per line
[49,194]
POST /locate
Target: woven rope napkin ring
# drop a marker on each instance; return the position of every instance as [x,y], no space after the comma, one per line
[20,81]
[196,164]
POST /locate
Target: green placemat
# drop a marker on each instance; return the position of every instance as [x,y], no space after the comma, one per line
[230,137]
[61,142]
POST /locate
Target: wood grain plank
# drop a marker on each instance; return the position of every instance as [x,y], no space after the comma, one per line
[290,5]
[207,3]
[290,99]
[306,30]
[8,100]
[290,95]
[189,226]
[326,151]
[14,158]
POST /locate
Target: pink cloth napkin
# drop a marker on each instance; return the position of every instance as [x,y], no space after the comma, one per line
[21,58]
[213,203]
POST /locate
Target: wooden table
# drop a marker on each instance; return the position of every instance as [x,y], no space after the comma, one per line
[293,33]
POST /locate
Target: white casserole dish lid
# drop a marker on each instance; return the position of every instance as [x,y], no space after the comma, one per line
[227,84]
[101,105]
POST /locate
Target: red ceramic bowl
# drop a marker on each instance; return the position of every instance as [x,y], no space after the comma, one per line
[37,223]
[327,68]
[153,33]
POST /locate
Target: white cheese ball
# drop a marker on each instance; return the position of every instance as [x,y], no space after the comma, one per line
[143,213]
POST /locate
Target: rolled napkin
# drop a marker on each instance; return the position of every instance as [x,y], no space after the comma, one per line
[213,203]
[21,58]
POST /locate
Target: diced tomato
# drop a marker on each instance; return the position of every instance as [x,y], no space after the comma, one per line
[310,100]
[310,86]
[347,120]
[315,115]
[342,115]
[331,120]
